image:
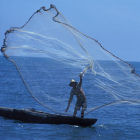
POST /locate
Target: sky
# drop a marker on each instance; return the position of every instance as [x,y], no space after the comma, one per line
[115,23]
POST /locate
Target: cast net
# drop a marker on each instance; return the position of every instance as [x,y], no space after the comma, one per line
[48,52]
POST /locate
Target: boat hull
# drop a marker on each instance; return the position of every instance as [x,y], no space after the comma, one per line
[33,116]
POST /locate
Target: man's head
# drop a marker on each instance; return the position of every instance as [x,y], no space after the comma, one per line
[73,83]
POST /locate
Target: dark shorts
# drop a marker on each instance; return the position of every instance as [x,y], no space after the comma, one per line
[80,104]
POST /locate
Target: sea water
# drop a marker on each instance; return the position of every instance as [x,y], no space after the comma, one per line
[118,122]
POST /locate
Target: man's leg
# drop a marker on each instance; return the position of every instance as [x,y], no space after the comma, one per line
[84,106]
[82,113]
[75,112]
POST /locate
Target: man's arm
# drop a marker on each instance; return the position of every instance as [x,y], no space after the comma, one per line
[70,99]
[81,79]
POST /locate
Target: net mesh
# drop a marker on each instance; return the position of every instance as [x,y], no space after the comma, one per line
[48,52]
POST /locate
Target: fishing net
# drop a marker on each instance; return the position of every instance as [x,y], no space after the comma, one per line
[48,52]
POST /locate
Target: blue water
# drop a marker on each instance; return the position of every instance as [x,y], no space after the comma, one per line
[118,122]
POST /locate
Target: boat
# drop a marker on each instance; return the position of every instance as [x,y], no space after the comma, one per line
[34,116]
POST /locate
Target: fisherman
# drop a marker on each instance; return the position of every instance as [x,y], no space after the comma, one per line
[81,99]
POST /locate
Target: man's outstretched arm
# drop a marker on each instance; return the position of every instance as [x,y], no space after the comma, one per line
[81,79]
[70,99]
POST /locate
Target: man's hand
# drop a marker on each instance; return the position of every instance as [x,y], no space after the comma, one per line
[81,75]
[67,107]
[66,110]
